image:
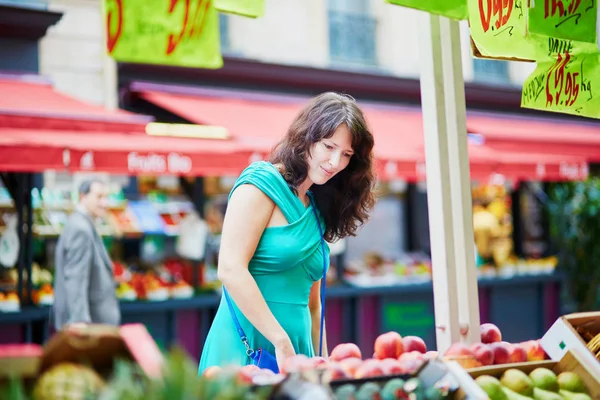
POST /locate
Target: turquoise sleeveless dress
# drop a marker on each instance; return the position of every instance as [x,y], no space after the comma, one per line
[287,261]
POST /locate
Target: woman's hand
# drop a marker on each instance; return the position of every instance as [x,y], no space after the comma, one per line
[283,351]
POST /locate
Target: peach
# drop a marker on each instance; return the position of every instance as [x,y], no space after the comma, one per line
[414,343]
[388,345]
[535,352]
[483,353]
[211,372]
[345,350]
[316,361]
[369,368]
[490,333]
[246,373]
[391,366]
[517,354]
[431,355]
[413,355]
[458,349]
[501,353]
[334,371]
[296,363]
[350,365]
[409,366]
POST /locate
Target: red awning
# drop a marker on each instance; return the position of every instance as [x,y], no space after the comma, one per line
[29,101]
[37,150]
[536,135]
[260,121]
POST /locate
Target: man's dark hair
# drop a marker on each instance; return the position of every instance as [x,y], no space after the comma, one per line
[86,186]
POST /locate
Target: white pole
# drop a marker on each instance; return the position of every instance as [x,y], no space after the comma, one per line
[458,168]
[438,183]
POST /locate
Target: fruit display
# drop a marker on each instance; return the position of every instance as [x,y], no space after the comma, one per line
[540,384]
[9,302]
[492,350]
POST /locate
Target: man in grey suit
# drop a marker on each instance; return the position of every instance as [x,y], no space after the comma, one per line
[84,285]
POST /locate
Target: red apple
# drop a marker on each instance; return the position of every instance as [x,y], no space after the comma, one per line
[490,333]
[350,365]
[483,353]
[535,352]
[296,363]
[388,345]
[501,353]
[414,343]
[431,355]
[391,366]
[369,368]
[334,371]
[345,350]
[517,354]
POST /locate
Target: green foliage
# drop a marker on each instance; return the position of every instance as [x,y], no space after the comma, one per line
[574,209]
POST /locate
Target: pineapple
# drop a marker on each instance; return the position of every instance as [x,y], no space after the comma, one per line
[68,381]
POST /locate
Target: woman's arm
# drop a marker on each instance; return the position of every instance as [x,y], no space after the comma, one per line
[314,304]
[248,213]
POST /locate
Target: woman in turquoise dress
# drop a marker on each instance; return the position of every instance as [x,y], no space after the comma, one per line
[271,258]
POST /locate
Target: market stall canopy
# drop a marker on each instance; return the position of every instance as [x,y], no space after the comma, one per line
[259,121]
[35,150]
[30,101]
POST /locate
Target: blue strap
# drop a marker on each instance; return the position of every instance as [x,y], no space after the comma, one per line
[249,350]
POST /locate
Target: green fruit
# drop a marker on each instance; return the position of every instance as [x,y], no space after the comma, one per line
[544,378]
[393,389]
[571,382]
[345,392]
[414,386]
[517,381]
[491,386]
[541,394]
[574,396]
[368,391]
[433,393]
[510,395]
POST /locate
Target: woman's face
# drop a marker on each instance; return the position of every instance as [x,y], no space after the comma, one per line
[330,156]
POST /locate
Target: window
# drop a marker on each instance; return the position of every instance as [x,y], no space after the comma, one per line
[351,32]
[490,71]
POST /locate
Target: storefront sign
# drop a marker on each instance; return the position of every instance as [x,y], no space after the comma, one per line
[171,32]
[456,9]
[566,79]
[152,163]
[247,8]
[564,19]
[498,29]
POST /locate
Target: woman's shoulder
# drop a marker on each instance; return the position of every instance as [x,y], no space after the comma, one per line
[263,175]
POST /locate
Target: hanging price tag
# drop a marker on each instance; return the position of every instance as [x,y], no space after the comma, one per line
[455,9]
[170,32]
[498,30]
[246,8]
[564,19]
[566,80]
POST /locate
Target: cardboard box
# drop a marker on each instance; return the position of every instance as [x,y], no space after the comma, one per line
[564,336]
[570,362]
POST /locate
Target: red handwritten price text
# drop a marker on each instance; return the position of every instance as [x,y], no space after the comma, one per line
[561,82]
[191,28]
[554,7]
[500,9]
[112,37]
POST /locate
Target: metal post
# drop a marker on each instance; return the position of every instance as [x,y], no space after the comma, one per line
[460,182]
[438,182]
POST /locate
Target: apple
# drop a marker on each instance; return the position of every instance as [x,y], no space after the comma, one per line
[490,333]
[350,365]
[391,366]
[296,363]
[388,345]
[369,368]
[535,352]
[501,353]
[345,350]
[414,343]
[483,353]
[516,354]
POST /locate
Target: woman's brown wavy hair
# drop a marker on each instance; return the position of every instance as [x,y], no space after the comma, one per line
[346,199]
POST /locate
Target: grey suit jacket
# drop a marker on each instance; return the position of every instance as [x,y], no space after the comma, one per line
[84,286]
